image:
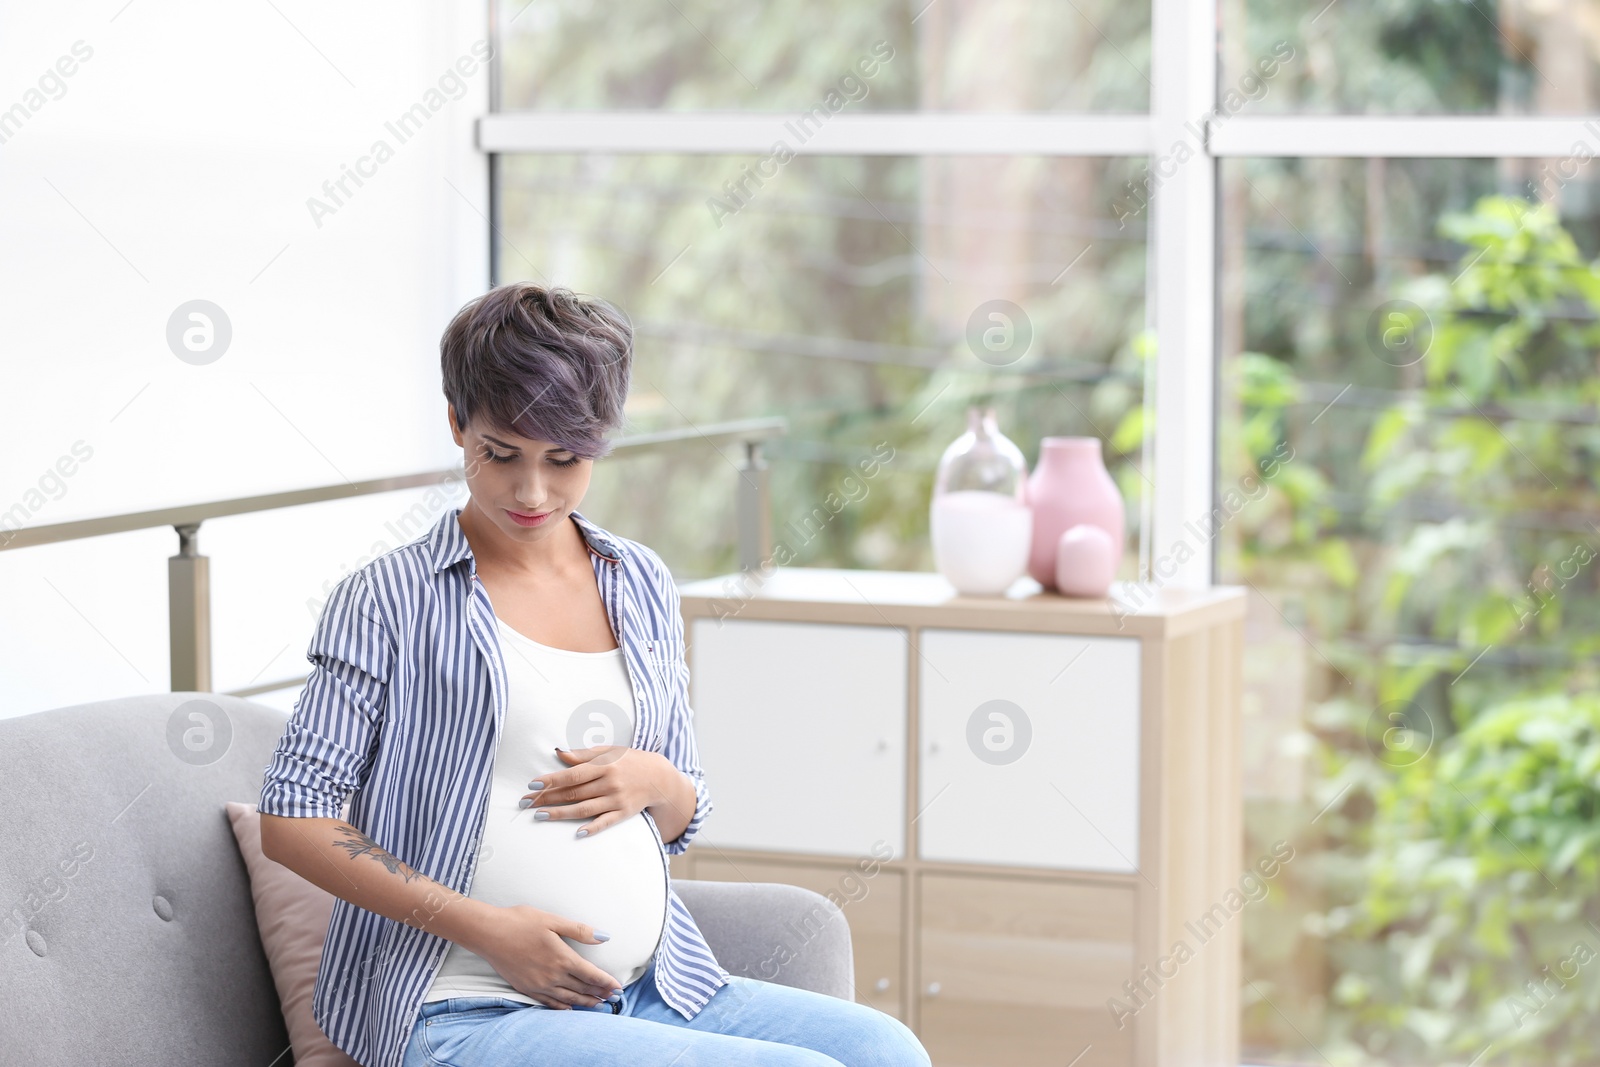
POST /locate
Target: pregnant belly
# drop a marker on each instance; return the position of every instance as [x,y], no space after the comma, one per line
[615,880]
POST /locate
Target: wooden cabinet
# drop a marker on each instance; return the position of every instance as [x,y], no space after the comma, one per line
[1016,970]
[871,900]
[1057,780]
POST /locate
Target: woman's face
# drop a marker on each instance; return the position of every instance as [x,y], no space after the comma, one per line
[511,477]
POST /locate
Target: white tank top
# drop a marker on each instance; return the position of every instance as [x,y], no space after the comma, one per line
[616,879]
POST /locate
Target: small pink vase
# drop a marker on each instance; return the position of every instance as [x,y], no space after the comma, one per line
[1070,485]
[1085,562]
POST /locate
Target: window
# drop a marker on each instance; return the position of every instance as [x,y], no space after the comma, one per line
[1336,259]
[1406,326]
[1410,344]
[848,294]
[939,55]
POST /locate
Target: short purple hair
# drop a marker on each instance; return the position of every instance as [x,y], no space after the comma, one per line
[545,364]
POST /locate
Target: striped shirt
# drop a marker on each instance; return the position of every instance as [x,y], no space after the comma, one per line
[403,712]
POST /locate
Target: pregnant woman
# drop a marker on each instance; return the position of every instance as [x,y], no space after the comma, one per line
[503,701]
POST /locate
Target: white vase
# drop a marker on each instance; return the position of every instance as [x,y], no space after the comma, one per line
[981,540]
[979,520]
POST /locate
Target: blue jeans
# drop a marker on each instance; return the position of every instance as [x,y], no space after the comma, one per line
[747,1023]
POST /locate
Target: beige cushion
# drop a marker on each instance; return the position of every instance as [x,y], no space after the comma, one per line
[292,915]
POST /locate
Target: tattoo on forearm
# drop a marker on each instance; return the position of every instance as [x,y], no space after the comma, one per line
[359,844]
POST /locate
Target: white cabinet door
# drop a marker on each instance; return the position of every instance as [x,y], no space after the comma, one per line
[1030,749]
[802,730]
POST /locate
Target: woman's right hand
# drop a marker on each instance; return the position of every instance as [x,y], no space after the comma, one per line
[526,947]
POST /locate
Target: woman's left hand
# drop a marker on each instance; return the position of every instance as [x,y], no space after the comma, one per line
[604,783]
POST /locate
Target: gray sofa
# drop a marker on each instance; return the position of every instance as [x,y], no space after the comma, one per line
[130,934]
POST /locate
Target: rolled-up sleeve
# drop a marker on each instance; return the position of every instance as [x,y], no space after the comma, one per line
[680,747]
[327,745]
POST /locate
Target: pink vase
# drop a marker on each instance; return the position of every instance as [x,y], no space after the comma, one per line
[1070,485]
[1086,562]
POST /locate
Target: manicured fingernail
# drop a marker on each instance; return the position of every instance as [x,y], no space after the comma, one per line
[535,785]
[601,935]
[540,815]
[525,802]
[616,993]
[583,833]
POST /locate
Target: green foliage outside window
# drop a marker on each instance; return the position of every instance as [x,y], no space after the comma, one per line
[1461,844]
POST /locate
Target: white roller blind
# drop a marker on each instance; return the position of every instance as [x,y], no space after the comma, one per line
[306,170]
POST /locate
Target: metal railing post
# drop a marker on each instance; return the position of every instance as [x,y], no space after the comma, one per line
[755,510]
[189,612]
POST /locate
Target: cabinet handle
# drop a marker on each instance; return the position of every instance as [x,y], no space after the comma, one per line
[933,989]
[881,984]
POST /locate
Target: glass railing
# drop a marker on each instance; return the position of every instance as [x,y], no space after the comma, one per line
[189,572]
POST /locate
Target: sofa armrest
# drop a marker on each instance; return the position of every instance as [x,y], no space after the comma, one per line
[774,932]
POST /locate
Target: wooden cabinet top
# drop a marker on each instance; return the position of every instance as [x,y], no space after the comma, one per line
[924,598]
